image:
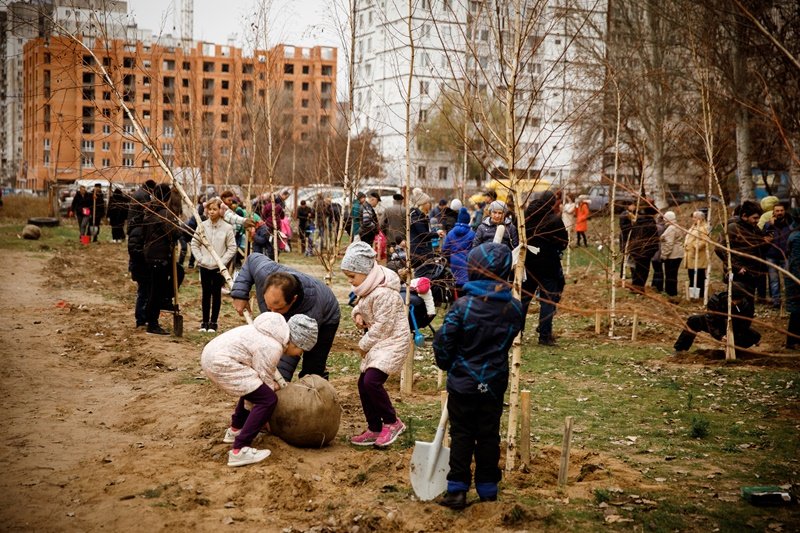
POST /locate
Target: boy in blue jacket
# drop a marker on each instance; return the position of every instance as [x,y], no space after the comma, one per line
[472,346]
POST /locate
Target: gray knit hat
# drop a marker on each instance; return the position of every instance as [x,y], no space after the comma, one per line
[497,205]
[359,257]
[302,331]
[418,197]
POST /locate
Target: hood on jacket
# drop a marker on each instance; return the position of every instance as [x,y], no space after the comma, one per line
[463,216]
[768,202]
[489,261]
[541,207]
[273,325]
[390,279]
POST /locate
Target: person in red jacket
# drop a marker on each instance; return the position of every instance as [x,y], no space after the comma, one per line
[581,220]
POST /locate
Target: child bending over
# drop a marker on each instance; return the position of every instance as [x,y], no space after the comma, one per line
[242,362]
[384,346]
[472,346]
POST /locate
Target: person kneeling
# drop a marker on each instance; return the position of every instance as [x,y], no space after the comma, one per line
[715,320]
[243,362]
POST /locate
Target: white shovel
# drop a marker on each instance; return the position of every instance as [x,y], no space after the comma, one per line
[694,290]
[430,464]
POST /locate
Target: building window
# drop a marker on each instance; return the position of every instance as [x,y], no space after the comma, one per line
[304,119]
[107,129]
[127,62]
[87,161]
[306,70]
[304,102]
[288,85]
[423,116]
[208,66]
[47,57]
[88,128]
[185,99]
[47,144]
[169,131]
[421,172]
[325,88]
[166,148]
[127,161]
[146,81]
[87,146]
[324,120]
[106,162]
[288,68]
[106,146]
[46,159]
[145,97]
[305,86]
[185,83]
[186,66]
[224,101]
[442,173]
[223,117]
[225,84]
[424,86]
[128,147]
[208,100]
[226,67]
[304,136]
[325,103]
[168,64]
[106,95]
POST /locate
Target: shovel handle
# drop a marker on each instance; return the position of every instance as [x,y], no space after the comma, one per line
[277,375]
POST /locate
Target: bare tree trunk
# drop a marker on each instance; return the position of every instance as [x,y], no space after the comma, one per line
[612,228]
[407,374]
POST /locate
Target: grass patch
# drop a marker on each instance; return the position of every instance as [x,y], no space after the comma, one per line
[700,427]
[22,207]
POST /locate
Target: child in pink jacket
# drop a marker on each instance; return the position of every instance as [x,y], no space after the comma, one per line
[384,346]
[242,362]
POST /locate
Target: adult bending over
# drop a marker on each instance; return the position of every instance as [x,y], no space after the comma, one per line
[283,290]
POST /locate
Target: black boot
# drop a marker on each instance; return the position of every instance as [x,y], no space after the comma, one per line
[454,500]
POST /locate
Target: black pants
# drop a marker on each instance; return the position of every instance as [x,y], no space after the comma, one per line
[315,359]
[701,280]
[474,431]
[550,289]
[118,232]
[658,275]
[671,267]
[581,235]
[141,275]
[793,338]
[159,273]
[641,269]
[743,337]
[211,282]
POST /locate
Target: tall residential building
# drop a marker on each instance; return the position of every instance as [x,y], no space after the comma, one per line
[202,108]
[457,51]
[24,20]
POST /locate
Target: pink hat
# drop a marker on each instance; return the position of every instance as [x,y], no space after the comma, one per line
[422,285]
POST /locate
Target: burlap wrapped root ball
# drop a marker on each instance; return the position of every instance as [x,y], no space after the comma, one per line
[31,232]
[308,413]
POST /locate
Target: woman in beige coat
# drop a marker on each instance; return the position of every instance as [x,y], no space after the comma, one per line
[696,250]
[384,346]
[671,253]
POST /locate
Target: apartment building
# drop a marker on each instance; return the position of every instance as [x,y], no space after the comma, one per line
[456,50]
[202,107]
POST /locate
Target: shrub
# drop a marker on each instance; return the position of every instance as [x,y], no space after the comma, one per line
[699,427]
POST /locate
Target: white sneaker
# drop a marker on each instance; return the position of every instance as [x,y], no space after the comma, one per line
[247,456]
[230,435]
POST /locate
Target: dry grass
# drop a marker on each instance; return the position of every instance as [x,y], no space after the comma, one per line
[23,207]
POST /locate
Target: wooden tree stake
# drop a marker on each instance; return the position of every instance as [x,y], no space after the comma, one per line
[525,430]
[598,323]
[443,402]
[635,330]
[439,378]
[407,374]
[565,445]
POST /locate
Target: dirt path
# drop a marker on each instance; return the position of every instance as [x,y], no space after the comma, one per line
[106,427]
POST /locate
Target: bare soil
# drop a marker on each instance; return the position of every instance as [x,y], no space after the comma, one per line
[106,427]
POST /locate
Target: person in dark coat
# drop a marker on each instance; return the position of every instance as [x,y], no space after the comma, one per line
[746,238]
[81,206]
[421,246]
[449,215]
[487,229]
[267,218]
[117,214]
[643,245]
[161,231]
[137,265]
[715,320]
[472,346]
[97,207]
[779,227]
[369,227]
[547,238]
[395,219]
[457,245]
[283,290]
[304,214]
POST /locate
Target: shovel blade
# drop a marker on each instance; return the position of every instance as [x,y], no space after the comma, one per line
[177,324]
[429,468]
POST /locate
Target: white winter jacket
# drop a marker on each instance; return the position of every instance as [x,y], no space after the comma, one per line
[387,339]
[222,239]
[241,359]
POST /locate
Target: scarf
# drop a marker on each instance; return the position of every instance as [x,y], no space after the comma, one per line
[374,279]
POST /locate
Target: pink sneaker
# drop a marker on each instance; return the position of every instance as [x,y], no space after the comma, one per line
[368,438]
[389,434]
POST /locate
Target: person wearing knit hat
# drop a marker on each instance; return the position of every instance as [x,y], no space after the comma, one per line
[457,245]
[449,214]
[302,331]
[488,228]
[421,245]
[243,362]
[380,312]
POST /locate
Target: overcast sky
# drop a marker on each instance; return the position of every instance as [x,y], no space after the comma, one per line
[297,22]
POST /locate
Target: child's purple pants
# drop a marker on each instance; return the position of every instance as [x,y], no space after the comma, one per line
[250,422]
[374,399]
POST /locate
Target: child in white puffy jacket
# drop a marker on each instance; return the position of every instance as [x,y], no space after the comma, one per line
[384,346]
[243,362]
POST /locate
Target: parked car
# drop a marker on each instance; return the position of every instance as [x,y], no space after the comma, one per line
[680,197]
[599,197]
